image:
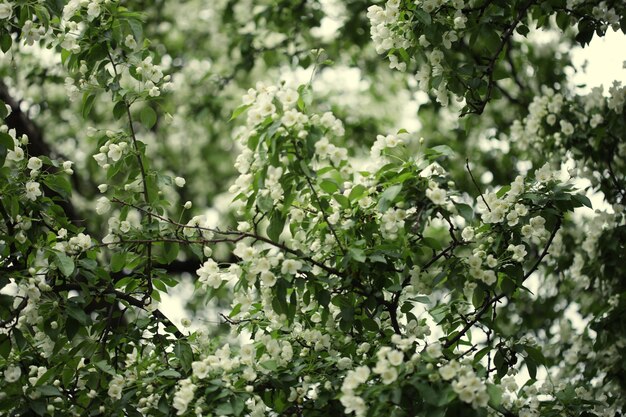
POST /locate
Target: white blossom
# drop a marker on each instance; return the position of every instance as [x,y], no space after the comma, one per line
[103,205]
[32,190]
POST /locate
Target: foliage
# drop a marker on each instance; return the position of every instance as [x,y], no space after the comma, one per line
[348,266]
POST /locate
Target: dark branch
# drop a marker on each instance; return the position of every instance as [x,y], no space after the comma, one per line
[37,146]
[489,302]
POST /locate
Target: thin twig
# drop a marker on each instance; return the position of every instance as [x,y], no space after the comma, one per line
[489,302]
[319,203]
[234,322]
[142,170]
[476,184]
[615,181]
[392,305]
[239,236]
[504,41]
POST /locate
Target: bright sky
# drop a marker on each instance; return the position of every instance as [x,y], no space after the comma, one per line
[605,61]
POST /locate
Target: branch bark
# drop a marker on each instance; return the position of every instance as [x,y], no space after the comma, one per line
[37,146]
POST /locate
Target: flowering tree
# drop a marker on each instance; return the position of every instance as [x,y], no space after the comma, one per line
[348,266]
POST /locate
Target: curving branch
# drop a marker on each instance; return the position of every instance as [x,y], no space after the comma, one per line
[619,187]
[479,106]
[148,296]
[491,302]
[237,236]
[122,296]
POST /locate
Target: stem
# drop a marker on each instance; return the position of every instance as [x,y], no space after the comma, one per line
[615,181]
[504,41]
[156,313]
[148,294]
[476,184]
[392,305]
[319,202]
[238,236]
[489,332]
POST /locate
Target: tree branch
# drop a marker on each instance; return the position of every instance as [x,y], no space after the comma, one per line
[479,106]
[23,125]
[492,301]
[146,196]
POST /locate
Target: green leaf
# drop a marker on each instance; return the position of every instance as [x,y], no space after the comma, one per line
[265,203]
[503,190]
[500,364]
[428,394]
[64,263]
[118,260]
[169,373]
[387,197]
[88,99]
[238,405]
[323,297]
[183,352]
[524,30]
[532,368]
[343,200]
[357,192]
[275,228]
[224,409]
[586,28]
[6,141]
[495,394]
[329,186]
[5,42]
[306,170]
[59,184]
[306,97]
[5,346]
[404,55]
[74,311]
[347,318]
[105,367]
[239,110]
[170,252]
[270,365]
[535,354]
[69,371]
[446,397]
[148,117]
[357,254]
[423,17]
[491,38]
[119,109]
[465,211]
[370,325]
[515,272]
[432,243]
[71,328]
[481,354]
[583,200]
[236,310]
[444,150]
[38,406]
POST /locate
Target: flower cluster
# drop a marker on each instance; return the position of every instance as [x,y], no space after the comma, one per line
[387,33]
[111,152]
[468,386]
[352,402]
